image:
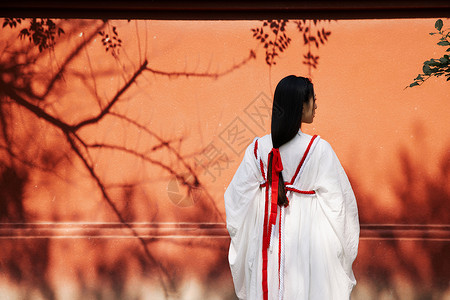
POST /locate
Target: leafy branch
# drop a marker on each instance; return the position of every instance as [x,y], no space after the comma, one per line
[440,66]
[273,35]
[274,38]
[316,37]
[41,31]
[111,41]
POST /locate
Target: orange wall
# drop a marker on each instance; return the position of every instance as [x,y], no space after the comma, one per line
[393,142]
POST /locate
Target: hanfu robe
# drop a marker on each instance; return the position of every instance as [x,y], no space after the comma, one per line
[310,256]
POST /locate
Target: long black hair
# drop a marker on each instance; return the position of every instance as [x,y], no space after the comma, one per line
[290,94]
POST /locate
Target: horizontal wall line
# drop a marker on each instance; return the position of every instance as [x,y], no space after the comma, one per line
[186,230]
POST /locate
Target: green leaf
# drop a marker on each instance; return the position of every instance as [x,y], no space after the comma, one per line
[438,25]
[444,60]
[413,84]
[433,63]
[444,43]
[433,33]
[419,77]
[426,69]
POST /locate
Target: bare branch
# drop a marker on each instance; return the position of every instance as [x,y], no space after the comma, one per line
[69,59]
[162,142]
[163,272]
[171,171]
[39,112]
[251,56]
[182,178]
[113,101]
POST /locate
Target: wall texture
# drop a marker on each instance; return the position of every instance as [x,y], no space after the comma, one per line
[118,142]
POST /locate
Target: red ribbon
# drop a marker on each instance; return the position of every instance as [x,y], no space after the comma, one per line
[277,167]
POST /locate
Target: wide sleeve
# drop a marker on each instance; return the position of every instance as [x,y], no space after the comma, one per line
[243,222]
[338,202]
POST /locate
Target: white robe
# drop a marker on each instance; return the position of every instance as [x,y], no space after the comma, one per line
[321,231]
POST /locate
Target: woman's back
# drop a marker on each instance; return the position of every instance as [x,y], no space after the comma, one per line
[291,212]
[318,242]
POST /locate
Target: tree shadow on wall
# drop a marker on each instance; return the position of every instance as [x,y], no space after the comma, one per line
[107,268]
[12,184]
[36,94]
[413,249]
[25,261]
[424,197]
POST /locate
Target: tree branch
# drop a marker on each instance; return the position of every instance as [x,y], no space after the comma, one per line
[251,56]
[171,171]
[113,101]
[183,180]
[69,59]
[163,272]
[163,143]
[39,112]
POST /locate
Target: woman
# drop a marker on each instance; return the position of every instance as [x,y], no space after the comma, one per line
[291,212]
